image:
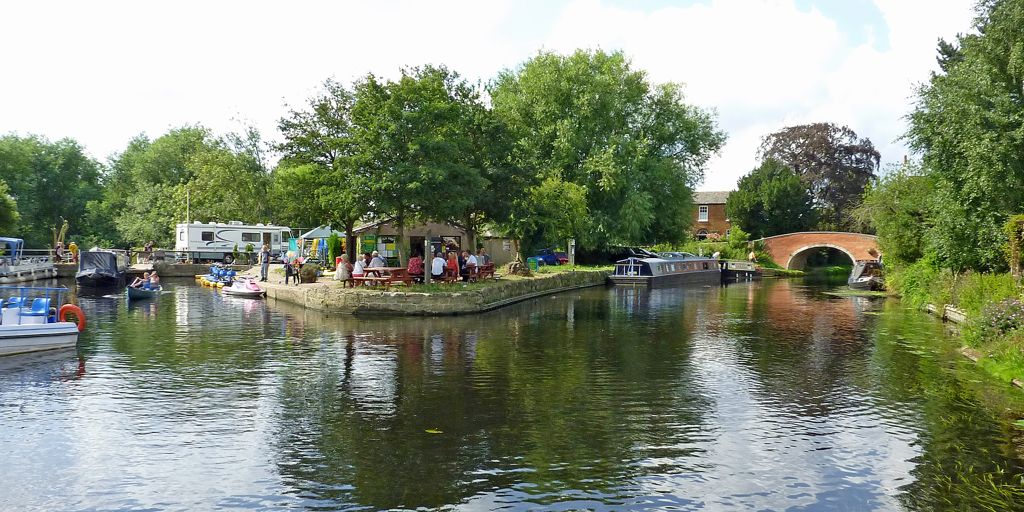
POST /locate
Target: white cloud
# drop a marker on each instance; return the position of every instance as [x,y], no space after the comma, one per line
[101,72]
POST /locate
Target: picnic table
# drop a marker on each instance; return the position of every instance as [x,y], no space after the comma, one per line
[385,276]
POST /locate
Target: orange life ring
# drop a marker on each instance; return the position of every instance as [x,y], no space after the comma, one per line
[79,315]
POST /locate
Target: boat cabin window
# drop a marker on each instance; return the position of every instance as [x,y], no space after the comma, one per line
[207,236]
[705,265]
[250,237]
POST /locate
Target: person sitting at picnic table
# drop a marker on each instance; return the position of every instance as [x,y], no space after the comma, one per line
[344,271]
[469,265]
[359,269]
[482,257]
[453,263]
[140,282]
[437,266]
[415,267]
[376,261]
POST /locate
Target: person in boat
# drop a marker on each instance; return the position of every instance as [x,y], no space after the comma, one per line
[716,256]
[415,267]
[344,271]
[154,280]
[140,281]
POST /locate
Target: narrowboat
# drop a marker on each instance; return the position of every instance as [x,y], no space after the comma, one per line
[35,319]
[649,268]
[736,270]
[102,268]
[15,266]
[866,275]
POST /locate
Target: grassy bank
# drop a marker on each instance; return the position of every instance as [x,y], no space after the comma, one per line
[991,303]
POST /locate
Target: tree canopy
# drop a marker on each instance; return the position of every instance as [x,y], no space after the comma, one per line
[967,125]
[771,200]
[833,162]
[589,119]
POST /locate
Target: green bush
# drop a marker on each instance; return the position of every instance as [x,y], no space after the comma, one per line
[309,272]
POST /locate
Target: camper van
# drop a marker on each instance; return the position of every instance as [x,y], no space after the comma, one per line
[217,240]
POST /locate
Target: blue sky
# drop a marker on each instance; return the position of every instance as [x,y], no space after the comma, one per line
[104,72]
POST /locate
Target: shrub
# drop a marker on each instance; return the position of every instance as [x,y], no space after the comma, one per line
[1000,318]
[309,272]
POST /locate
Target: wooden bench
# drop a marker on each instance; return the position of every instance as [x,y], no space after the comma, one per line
[372,281]
[399,276]
[450,276]
[486,272]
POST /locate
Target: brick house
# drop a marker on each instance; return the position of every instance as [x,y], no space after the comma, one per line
[709,216]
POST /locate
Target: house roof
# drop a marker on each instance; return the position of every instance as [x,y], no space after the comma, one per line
[711,197]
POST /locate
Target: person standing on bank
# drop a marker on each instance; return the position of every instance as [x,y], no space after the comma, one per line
[264,262]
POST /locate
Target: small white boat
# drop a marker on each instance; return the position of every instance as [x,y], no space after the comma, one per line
[15,266]
[33,319]
[242,287]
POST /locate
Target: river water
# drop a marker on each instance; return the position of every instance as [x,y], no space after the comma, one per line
[762,396]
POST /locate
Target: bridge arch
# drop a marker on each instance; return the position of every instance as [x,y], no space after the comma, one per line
[791,250]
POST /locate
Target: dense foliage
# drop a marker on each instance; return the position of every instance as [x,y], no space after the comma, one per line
[834,163]
[48,182]
[579,146]
[899,208]
[771,200]
[968,125]
[589,124]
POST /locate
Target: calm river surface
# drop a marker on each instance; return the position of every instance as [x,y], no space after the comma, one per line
[764,396]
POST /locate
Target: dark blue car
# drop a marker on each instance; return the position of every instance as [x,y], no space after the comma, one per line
[551,257]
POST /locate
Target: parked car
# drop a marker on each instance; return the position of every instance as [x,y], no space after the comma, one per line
[552,257]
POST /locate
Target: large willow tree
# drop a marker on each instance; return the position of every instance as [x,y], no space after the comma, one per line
[596,131]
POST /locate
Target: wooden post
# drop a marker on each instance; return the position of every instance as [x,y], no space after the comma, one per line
[428,258]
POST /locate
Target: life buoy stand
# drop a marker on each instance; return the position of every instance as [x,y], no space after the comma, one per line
[77,311]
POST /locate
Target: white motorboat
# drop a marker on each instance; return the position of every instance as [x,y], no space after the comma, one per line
[15,266]
[33,319]
[242,287]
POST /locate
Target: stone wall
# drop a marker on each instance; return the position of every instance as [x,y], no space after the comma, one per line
[331,298]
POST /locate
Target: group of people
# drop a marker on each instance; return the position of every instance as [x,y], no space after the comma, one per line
[72,250]
[463,264]
[148,281]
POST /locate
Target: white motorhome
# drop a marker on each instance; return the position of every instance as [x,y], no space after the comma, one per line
[217,240]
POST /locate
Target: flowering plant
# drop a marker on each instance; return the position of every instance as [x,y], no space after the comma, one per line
[1002,317]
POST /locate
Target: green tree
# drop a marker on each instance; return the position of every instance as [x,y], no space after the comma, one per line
[590,119]
[9,216]
[320,147]
[771,200]
[967,125]
[50,181]
[413,142]
[188,171]
[834,163]
[898,206]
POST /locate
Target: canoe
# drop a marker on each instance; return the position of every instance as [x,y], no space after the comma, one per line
[140,293]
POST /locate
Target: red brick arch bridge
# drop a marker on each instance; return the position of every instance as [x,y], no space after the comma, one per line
[791,250]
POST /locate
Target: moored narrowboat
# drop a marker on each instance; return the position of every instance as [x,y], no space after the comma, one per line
[666,268]
[736,270]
